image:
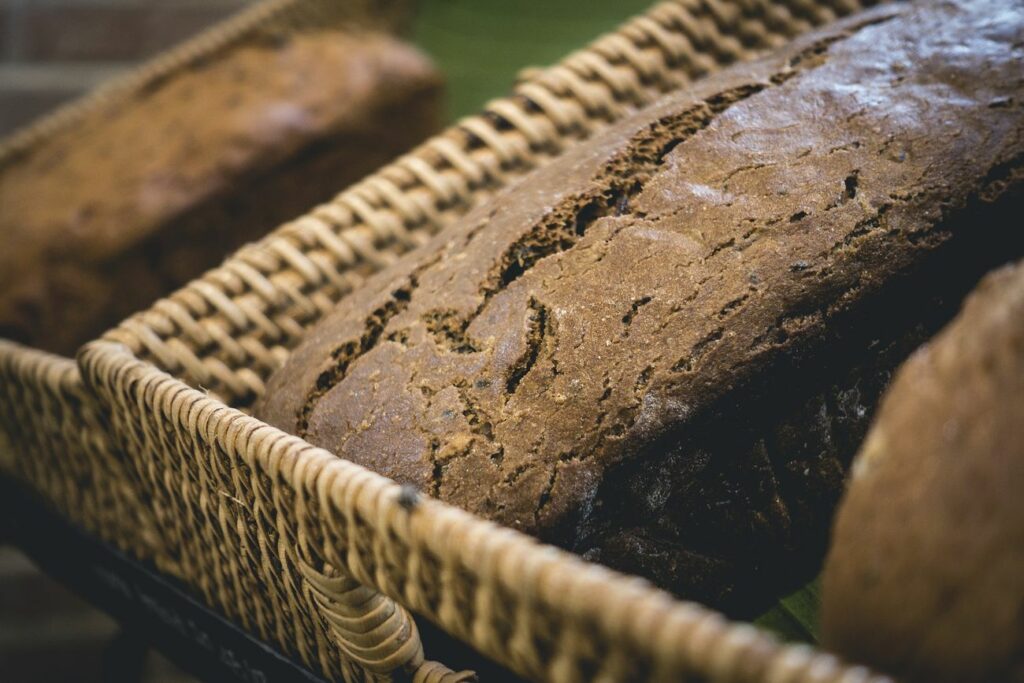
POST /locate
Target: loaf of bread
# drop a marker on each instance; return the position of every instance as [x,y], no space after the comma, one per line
[661,350]
[141,196]
[925,576]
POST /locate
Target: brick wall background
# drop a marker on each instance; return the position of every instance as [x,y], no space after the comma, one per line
[54,50]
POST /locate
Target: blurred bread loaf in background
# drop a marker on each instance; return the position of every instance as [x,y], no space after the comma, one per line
[139,197]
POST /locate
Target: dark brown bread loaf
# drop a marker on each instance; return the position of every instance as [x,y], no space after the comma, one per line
[142,196]
[925,576]
[661,350]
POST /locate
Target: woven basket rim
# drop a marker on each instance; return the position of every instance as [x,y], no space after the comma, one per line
[679,636]
[272,289]
[58,377]
[54,406]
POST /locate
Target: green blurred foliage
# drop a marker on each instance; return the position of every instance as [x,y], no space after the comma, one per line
[794,618]
[481,45]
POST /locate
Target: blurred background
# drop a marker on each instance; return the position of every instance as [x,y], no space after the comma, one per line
[55,50]
[52,51]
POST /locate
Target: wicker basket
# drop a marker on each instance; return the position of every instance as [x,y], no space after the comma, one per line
[49,434]
[324,558]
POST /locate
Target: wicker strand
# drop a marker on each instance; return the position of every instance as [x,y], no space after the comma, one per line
[371,629]
[543,612]
[57,442]
[435,672]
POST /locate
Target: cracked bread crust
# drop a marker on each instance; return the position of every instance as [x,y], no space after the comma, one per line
[631,296]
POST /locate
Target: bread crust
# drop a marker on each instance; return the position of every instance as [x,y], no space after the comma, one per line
[637,301]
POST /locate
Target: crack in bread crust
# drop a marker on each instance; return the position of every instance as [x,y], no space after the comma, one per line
[562,228]
[628,308]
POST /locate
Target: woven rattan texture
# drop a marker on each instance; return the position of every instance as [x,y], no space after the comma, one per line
[57,442]
[274,509]
[280,536]
[53,437]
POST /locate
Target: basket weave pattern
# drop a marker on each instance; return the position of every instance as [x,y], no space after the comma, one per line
[308,551]
[68,461]
[55,439]
[270,522]
[287,539]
